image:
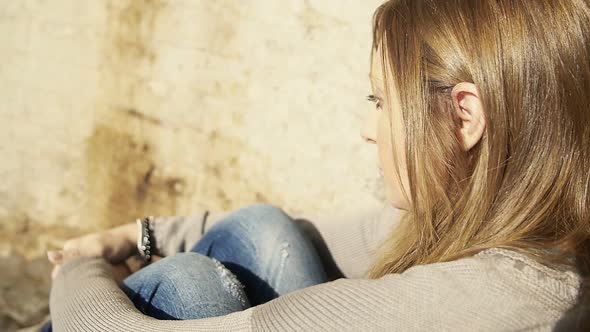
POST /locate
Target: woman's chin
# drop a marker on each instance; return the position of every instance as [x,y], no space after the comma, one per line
[397,202]
[398,206]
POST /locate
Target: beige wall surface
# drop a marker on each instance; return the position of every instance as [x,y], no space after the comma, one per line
[114,109]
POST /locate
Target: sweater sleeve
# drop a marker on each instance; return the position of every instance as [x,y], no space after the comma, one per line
[487,293]
[346,243]
[85,297]
[178,233]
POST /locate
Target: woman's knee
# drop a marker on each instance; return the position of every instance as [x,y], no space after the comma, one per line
[186,286]
[259,220]
[208,270]
[266,249]
[254,236]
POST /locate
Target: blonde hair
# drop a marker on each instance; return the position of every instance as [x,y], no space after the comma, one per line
[526,185]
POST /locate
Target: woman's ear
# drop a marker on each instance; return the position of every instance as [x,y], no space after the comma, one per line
[468,108]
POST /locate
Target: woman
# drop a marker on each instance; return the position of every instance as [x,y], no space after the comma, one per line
[483,135]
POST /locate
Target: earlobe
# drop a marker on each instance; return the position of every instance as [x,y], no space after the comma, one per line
[468,108]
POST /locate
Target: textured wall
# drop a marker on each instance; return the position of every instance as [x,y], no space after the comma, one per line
[115,109]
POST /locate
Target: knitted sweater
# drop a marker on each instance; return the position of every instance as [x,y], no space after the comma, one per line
[494,290]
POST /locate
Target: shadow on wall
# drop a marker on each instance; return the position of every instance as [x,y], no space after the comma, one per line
[123,180]
[126,157]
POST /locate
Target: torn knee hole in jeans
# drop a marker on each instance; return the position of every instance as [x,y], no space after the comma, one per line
[284,252]
[230,282]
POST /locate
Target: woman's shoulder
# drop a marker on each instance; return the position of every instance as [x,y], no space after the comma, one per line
[501,284]
[523,266]
[494,262]
[497,270]
[498,287]
[502,275]
[515,275]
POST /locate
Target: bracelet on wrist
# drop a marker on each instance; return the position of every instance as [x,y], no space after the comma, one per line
[145,239]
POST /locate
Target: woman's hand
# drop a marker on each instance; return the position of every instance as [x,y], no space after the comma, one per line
[115,245]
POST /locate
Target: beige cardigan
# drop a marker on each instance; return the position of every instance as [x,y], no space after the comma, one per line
[495,290]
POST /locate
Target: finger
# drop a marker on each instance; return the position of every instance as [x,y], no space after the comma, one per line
[134,263]
[69,254]
[55,271]
[120,272]
[55,256]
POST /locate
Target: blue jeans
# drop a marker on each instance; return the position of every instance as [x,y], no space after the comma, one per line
[252,256]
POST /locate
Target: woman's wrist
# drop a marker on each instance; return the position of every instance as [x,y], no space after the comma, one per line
[145,242]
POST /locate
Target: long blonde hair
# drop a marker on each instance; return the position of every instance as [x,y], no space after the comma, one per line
[526,185]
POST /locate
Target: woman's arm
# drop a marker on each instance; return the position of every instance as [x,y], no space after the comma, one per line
[85,297]
[485,293]
[118,244]
[179,233]
[346,243]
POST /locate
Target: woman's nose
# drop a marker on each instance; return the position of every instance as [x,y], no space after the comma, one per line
[367,138]
[368,132]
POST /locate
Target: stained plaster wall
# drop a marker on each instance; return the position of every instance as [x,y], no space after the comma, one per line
[113,109]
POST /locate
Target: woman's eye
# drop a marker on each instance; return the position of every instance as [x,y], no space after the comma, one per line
[376,100]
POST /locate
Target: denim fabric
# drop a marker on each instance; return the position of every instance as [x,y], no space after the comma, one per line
[266,250]
[185,286]
[252,256]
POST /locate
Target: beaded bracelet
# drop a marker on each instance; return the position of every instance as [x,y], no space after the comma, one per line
[145,239]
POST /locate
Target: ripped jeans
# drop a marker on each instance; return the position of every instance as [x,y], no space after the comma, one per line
[252,256]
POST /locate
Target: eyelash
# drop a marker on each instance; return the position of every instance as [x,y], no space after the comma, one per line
[375,99]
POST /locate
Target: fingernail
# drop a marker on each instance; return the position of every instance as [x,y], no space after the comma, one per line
[54,255]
